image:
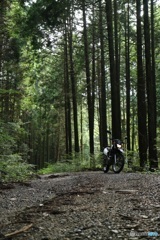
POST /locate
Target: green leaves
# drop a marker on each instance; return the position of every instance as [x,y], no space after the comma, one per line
[16,169]
[13,154]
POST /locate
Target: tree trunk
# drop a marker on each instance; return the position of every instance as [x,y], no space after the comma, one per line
[151,93]
[1,32]
[116,128]
[154,74]
[141,91]
[102,109]
[93,78]
[74,93]
[117,75]
[88,80]
[128,88]
[67,99]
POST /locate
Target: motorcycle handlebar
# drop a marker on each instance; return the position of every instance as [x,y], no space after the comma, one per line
[108,131]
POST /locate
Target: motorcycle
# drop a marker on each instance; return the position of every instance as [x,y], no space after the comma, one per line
[113,156]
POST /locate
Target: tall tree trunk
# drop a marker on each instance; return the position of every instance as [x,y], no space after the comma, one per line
[134,119]
[93,78]
[117,73]
[74,93]
[151,93]
[88,79]
[116,128]
[127,53]
[141,91]
[67,98]
[103,114]
[2,44]
[1,32]
[100,101]
[153,69]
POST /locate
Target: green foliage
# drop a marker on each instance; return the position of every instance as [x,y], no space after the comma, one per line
[31,19]
[57,168]
[76,164]
[15,167]
[13,153]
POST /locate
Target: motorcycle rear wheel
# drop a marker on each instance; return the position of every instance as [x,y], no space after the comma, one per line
[118,166]
[105,164]
[106,169]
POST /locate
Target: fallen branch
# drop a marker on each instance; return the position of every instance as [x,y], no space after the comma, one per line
[25,228]
[127,191]
[79,192]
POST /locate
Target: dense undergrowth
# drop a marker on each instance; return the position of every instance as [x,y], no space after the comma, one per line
[15,157]
[14,153]
[20,171]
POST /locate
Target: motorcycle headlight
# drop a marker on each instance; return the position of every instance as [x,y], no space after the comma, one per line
[119,145]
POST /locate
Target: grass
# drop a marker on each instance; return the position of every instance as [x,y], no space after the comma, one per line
[74,165]
[59,167]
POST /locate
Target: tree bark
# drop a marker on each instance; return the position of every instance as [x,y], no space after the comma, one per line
[151,94]
[141,92]
[116,128]
[102,109]
[67,98]
[128,87]
[74,93]
[117,74]
[88,79]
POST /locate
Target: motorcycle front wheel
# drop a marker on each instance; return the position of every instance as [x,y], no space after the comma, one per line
[118,163]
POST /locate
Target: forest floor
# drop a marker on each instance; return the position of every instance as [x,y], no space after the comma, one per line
[85,205]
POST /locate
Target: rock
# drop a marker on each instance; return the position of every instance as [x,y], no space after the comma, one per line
[144,216]
[115,231]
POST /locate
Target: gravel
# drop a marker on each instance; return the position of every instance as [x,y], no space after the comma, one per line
[85,205]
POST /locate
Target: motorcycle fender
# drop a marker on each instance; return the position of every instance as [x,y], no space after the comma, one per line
[105,151]
[121,150]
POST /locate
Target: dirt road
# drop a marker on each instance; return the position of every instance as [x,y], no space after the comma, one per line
[89,205]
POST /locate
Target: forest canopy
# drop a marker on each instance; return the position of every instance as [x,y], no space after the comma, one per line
[71,70]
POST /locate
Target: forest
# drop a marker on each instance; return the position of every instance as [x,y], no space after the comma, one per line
[71,70]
